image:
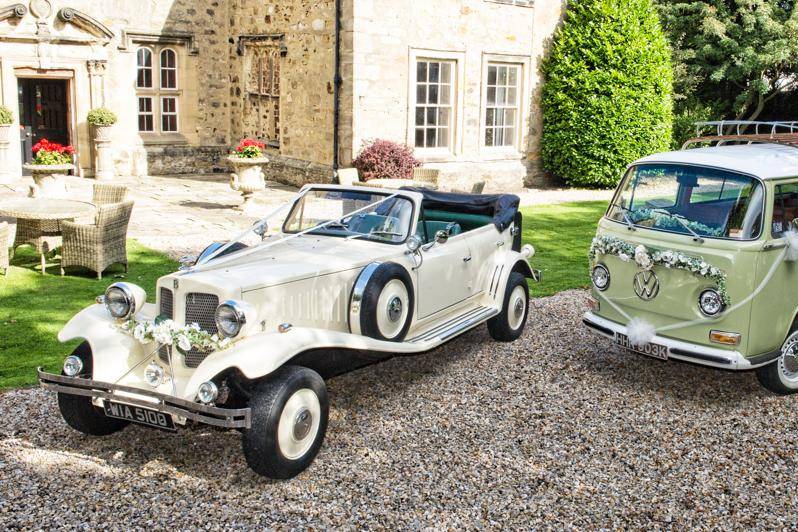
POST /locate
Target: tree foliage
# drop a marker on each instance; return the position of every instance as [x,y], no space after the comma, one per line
[731,57]
[607,95]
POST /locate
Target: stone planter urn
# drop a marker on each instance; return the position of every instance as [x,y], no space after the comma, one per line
[5,171]
[49,180]
[247,178]
[103,155]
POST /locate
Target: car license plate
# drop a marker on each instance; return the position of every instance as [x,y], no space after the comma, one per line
[137,414]
[652,350]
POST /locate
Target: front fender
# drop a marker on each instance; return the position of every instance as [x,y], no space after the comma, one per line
[506,263]
[113,351]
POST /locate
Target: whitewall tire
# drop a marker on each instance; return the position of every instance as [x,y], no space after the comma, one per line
[381,305]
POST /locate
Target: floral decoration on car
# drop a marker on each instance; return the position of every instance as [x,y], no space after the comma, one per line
[249,149]
[52,153]
[645,260]
[670,222]
[168,332]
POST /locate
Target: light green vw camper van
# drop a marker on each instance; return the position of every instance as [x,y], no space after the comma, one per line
[695,258]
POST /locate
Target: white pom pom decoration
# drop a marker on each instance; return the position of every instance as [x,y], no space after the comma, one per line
[639,331]
[791,239]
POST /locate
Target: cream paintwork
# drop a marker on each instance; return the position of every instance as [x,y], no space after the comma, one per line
[307,282]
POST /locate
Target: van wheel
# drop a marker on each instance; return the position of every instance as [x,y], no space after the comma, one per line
[79,412]
[288,424]
[781,376]
[509,324]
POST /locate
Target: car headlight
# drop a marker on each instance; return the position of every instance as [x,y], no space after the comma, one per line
[123,300]
[154,374]
[710,302]
[601,277]
[207,392]
[231,316]
[72,366]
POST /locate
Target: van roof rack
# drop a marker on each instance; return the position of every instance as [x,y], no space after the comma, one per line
[720,132]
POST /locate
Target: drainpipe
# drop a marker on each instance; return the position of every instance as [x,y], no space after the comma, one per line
[337,81]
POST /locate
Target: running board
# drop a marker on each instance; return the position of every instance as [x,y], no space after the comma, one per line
[456,325]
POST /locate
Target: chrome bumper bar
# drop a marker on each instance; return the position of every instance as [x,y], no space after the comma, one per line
[210,415]
[677,349]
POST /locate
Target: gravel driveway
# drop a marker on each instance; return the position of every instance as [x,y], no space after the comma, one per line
[556,430]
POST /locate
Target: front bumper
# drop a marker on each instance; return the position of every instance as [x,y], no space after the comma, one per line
[210,415]
[677,349]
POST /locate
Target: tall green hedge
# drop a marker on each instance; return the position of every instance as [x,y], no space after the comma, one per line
[607,97]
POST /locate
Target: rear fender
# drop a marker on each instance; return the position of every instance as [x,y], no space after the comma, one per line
[505,264]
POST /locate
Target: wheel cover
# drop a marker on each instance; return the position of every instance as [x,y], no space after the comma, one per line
[299,424]
[788,361]
[392,309]
[516,308]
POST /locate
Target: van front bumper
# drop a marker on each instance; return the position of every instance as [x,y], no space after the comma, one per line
[679,350]
[168,404]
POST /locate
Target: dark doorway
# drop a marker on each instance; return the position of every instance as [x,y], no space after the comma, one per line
[43,113]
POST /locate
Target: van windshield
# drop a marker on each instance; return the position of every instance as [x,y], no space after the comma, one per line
[692,200]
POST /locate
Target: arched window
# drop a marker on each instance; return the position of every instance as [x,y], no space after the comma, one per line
[144,68]
[168,69]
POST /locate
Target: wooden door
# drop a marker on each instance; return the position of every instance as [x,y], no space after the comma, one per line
[43,111]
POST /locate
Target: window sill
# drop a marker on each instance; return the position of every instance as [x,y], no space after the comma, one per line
[429,155]
[160,139]
[505,153]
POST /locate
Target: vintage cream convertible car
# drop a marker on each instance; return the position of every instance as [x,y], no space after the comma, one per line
[243,336]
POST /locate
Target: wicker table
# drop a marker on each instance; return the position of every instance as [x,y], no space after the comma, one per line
[44,209]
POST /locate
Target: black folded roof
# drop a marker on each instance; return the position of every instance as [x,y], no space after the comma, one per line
[501,207]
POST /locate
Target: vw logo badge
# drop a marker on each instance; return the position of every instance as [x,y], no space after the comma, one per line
[646,285]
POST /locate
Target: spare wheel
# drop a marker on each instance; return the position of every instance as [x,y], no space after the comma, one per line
[382,302]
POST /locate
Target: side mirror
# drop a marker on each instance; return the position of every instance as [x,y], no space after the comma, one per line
[442,236]
[261,230]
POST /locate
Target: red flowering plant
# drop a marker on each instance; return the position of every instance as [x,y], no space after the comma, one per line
[384,159]
[249,149]
[52,153]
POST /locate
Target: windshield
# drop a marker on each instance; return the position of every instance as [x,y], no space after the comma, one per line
[693,200]
[376,217]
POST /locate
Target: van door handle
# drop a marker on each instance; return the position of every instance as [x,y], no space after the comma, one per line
[466,259]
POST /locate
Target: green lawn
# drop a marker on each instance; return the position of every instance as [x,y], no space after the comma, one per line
[33,307]
[561,234]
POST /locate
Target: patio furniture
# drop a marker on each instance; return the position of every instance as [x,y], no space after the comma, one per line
[397,183]
[348,176]
[39,219]
[476,188]
[4,247]
[426,176]
[104,194]
[99,245]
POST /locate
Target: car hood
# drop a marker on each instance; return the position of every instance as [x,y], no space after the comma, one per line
[293,260]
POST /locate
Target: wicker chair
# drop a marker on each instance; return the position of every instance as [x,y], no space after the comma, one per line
[44,235]
[348,176]
[99,245]
[4,247]
[426,175]
[105,194]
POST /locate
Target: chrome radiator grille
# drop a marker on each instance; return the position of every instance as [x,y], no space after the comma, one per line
[167,311]
[200,309]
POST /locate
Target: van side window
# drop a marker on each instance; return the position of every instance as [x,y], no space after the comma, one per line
[785,209]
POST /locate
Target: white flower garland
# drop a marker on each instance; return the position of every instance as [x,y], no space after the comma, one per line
[610,245]
[168,332]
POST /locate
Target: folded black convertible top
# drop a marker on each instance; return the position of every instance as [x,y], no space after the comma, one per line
[501,207]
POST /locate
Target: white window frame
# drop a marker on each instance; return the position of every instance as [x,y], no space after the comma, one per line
[176,113]
[151,68]
[161,68]
[139,114]
[457,98]
[516,149]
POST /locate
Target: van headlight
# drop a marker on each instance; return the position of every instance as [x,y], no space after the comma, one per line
[123,300]
[231,316]
[601,277]
[710,302]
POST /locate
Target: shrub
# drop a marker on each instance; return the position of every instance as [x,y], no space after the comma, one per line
[385,159]
[249,149]
[607,98]
[46,152]
[101,117]
[6,117]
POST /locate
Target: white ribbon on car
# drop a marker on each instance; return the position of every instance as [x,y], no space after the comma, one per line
[641,332]
[221,260]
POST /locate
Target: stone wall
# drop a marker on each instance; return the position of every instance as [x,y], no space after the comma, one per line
[387,37]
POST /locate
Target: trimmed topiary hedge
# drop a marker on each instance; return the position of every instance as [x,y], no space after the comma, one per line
[385,159]
[607,98]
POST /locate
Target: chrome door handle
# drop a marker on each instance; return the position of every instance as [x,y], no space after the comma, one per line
[466,259]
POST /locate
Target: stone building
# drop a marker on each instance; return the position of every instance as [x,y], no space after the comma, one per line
[455,79]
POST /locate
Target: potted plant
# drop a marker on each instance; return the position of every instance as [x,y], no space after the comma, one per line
[51,162]
[6,119]
[248,159]
[386,163]
[102,119]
